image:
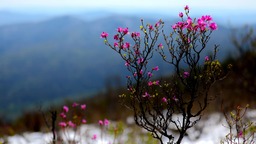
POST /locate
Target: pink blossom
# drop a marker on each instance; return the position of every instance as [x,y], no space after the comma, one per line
[201,22]
[135,34]
[180,25]
[137,52]
[151,27]
[158,23]
[94,137]
[119,30]
[150,74]
[104,35]
[127,45]
[186,74]
[106,122]
[189,21]
[65,109]
[116,37]
[189,40]
[206,58]
[189,24]
[127,63]
[186,7]
[207,18]
[140,60]
[83,106]
[135,74]
[63,115]
[150,83]
[213,26]
[146,95]
[75,104]
[164,99]
[100,122]
[141,72]
[240,134]
[62,124]
[155,68]
[115,44]
[125,31]
[160,46]
[174,27]
[181,14]
[71,124]
[84,121]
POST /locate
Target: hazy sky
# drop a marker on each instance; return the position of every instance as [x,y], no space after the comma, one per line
[248,5]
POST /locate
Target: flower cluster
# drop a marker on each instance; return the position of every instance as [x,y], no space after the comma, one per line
[201,24]
[71,119]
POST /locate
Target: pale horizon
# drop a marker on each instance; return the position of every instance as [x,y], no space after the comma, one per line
[129,5]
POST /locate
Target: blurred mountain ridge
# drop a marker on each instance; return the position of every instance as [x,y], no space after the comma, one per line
[64,57]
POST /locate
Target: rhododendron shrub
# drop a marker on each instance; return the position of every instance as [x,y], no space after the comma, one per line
[155,103]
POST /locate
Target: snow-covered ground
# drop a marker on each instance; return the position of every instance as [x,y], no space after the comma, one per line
[210,129]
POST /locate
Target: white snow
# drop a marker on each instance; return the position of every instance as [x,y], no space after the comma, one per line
[210,129]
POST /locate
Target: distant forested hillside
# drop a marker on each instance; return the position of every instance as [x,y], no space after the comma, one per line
[65,57]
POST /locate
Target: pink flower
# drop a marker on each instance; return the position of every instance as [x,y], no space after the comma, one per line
[155,68]
[213,26]
[115,44]
[186,74]
[71,124]
[104,35]
[94,137]
[186,7]
[146,95]
[150,83]
[189,21]
[140,60]
[127,63]
[127,45]
[65,109]
[62,124]
[135,34]
[141,72]
[84,121]
[106,122]
[207,18]
[150,74]
[158,23]
[75,104]
[240,134]
[119,30]
[151,27]
[63,115]
[83,106]
[100,122]
[181,14]
[206,58]
[174,27]
[201,22]
[125,31]
[116,37]
[160,46]
[164,99]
